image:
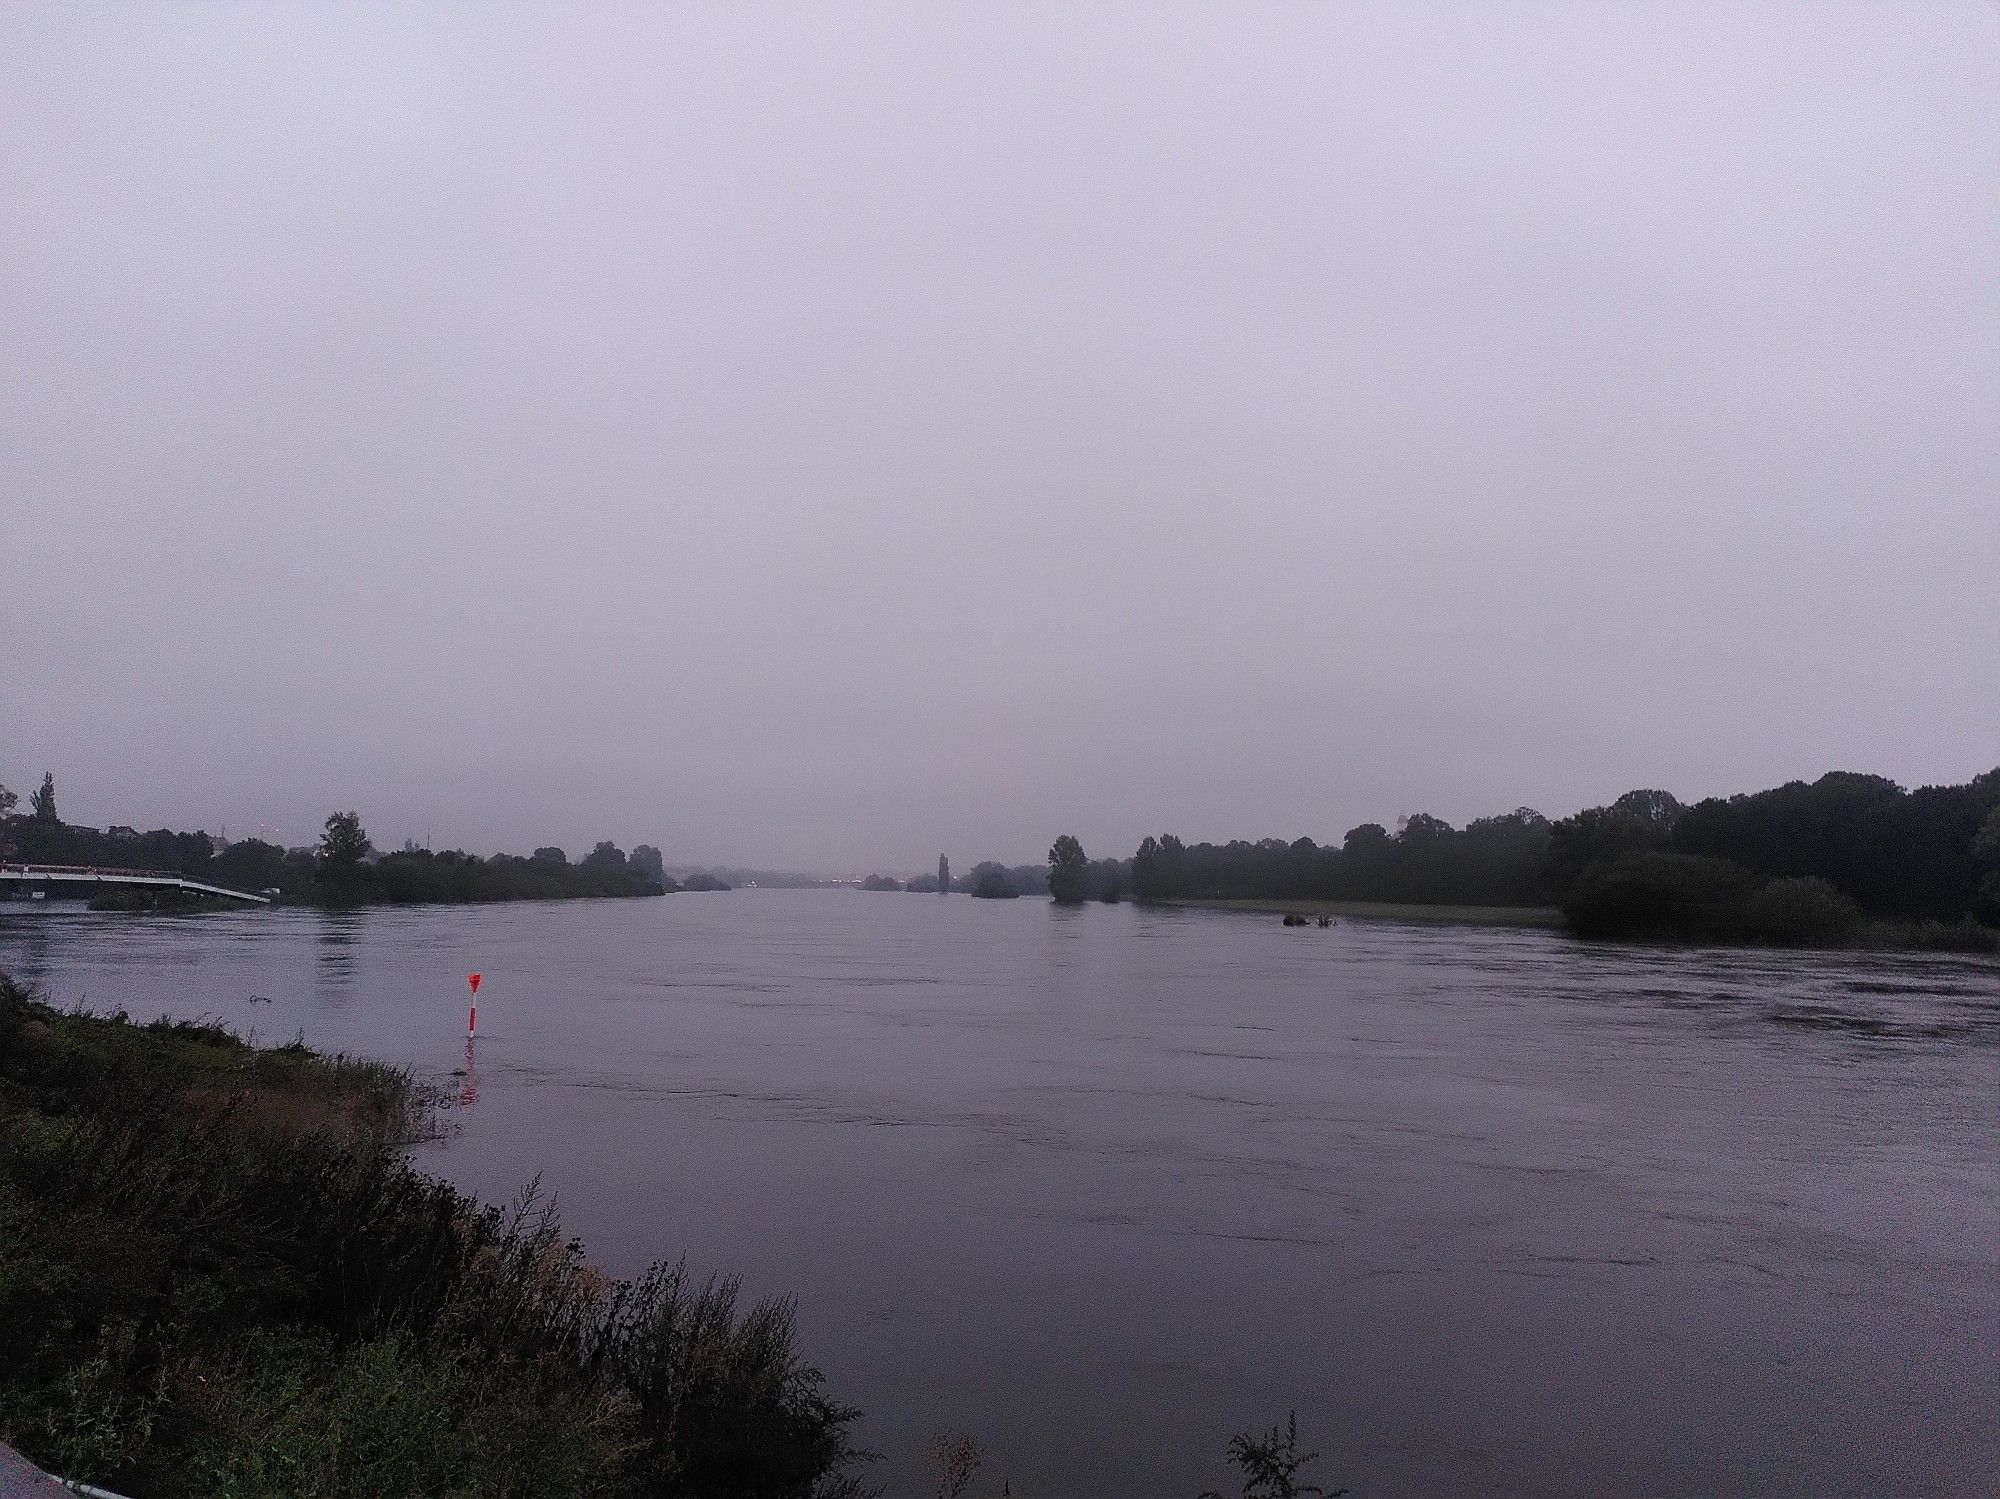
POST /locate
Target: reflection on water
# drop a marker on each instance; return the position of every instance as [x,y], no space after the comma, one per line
[468,1084]
[1495,1211]
[27,949]
[336,951]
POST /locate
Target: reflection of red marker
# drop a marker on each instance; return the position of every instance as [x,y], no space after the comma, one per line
[472,1014]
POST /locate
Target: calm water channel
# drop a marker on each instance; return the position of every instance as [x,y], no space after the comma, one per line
[1497,1212]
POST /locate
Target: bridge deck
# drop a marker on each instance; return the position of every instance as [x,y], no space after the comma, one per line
[158,879]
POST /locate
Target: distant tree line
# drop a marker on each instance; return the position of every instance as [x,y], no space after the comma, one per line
[1089,879]
[342,868]
[1496,861]
[1803,862]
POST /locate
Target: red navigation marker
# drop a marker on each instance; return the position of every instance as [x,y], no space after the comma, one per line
[473,979]
[472,1013]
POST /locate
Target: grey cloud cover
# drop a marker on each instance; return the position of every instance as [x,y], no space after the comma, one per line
[823,435]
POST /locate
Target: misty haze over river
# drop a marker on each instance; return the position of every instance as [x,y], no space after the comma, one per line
[1496,1211]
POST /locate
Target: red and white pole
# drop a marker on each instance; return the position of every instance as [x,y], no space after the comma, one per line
[472,1014]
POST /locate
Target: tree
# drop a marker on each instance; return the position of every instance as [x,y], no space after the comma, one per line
[944,875]
[344,844]
[549,854]
[990,881]
[1986,849]
[1146,869]
[8,801]
[1661,809]
[43,803]
[650,862]
[250,864]
[1637,821]
[606,856]
[1069,871]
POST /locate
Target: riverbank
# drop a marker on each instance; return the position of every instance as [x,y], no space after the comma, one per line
[220,1275]
[1366,910]
[1966,937]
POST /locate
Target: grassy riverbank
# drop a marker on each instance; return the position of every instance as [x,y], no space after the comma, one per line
[220,1277]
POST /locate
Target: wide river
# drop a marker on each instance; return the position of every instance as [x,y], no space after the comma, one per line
[1495,1211]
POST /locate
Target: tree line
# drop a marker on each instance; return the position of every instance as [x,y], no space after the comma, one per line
[1806,861]
[1074,877]
[341,868]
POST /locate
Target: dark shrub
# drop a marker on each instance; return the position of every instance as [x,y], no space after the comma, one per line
[1803,912]
[1652,894]
[993,884]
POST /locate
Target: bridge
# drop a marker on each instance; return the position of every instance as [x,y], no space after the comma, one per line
[156,879]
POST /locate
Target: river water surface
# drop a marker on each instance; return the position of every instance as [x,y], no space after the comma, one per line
[1495,1211]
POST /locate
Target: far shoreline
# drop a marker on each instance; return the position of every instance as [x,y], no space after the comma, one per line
[1546,917]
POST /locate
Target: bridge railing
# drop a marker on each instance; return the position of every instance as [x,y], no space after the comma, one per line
[150,874]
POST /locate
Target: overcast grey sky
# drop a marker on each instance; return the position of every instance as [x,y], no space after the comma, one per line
[821,435]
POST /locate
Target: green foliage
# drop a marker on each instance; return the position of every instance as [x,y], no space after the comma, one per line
[1986,849]
[1917,861]
[1069,871]
[1651,894]
[219,1275]
[8,801]
[1638,820]
[344,844]
[1802,911]
[1899,855]
[421,877]
[98,1416]
[724,1406]
[256,866]
[42,804]
[1271,1465]
[648,863]
[991,881]
[1494,861]
[336,874]
[301,1415]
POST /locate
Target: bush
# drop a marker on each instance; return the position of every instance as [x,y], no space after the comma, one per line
[1802,912]
[1652,894]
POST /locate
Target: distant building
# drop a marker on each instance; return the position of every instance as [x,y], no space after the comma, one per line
[121,832]
[944,875]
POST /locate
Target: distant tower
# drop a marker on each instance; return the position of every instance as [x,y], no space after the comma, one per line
[944,875]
